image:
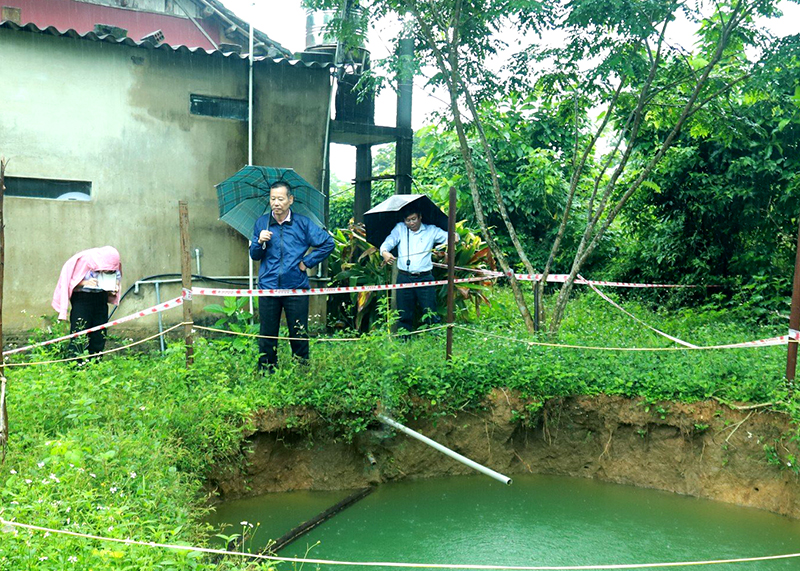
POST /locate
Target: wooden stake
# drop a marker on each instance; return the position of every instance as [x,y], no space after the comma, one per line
[794,317]
[186,280]
[451,271]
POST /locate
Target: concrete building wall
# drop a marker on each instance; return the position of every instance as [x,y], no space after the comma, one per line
[118,116]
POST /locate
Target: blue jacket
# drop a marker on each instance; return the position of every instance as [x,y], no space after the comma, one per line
[281,256]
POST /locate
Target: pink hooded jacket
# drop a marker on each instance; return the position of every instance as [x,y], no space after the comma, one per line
[105,259]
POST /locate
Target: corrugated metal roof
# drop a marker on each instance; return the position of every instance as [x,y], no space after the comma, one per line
[299,62]
[93,37]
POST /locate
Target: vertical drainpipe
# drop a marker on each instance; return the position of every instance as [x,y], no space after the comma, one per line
[160,320]
[250,139]
[250,92]
[326,146]
[334,82]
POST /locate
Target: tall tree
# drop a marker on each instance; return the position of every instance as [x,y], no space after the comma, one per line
[724,205]
[457,37]
[614,54]
[640,75]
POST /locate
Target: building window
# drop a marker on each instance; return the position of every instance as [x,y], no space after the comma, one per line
[221,107]
[11,14]
[48,188]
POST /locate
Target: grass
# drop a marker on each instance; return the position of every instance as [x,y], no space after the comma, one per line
[121,448]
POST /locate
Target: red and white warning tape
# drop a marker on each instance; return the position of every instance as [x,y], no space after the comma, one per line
[326,290]
[484,275]
[632,316]
[780,340]
[149,311]
[561,278]
[188,293]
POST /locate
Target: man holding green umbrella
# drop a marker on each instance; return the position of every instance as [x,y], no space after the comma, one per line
[281,241]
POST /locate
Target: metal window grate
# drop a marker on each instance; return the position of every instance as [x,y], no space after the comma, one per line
[221,107]
[53,189]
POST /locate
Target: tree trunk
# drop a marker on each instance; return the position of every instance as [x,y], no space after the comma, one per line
[451,75]
[591,238]
[498,197]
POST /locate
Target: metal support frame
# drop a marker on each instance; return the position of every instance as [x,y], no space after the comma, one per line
[196,23]
[363,189]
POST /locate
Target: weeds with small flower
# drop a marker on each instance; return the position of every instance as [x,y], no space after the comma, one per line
[121,447]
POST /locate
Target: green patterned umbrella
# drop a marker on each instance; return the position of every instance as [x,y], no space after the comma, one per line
[245,196]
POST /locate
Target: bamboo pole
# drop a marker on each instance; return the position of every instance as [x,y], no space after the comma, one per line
[186,280]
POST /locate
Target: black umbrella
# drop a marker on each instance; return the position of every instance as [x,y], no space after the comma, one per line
[382,218]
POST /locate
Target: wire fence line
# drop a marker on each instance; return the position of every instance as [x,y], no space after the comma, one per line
[13,526]
[791,337]
[397,564]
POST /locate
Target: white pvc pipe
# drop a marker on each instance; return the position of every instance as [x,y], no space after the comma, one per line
[250,274]
[250,138]
[250,92]
[138,283]
[444,450]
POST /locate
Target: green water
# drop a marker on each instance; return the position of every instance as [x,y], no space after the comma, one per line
[537,521]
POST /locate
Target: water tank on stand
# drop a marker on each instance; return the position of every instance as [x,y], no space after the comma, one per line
[352,103]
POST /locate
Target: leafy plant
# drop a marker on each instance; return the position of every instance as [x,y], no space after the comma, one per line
[356,262]
[234,316]
[237,319]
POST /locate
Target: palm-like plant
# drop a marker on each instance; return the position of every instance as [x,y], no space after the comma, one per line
[356,262]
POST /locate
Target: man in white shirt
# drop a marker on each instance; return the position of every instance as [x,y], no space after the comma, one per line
[414,241]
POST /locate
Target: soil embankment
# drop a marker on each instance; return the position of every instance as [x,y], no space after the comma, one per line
[702,449]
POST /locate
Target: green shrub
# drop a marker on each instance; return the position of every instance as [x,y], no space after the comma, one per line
[122,447]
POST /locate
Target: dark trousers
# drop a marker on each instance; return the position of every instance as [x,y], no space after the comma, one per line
[89,309]
[269,312]
[408,299]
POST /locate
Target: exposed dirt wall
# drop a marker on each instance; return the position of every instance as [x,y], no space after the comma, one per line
[703,449]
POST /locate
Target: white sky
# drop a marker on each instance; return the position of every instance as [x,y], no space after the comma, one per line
[285,22]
